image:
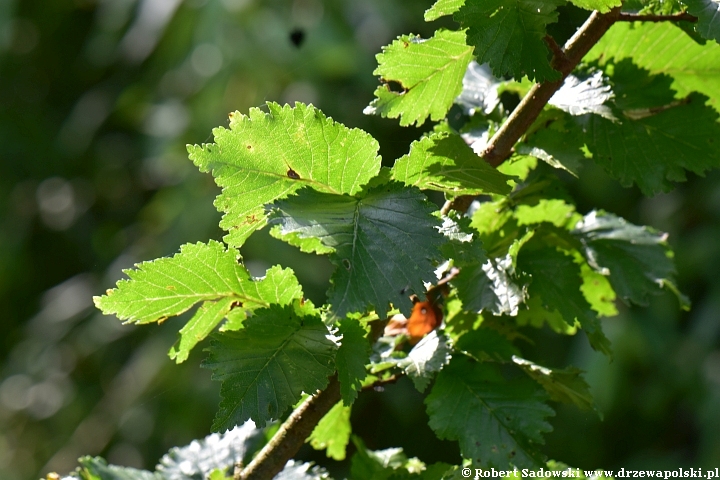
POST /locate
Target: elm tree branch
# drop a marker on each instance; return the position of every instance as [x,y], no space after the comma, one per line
[291,435]
[500,146]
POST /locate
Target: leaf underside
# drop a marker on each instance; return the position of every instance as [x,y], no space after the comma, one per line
[385,244]
[498,422]
[265,367]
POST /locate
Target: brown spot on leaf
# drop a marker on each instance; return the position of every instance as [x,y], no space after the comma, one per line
[293,174]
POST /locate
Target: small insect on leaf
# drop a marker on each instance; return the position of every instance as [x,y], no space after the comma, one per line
[425,318]
[293,174]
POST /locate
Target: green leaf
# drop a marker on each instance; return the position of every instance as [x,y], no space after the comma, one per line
[265,367]
[559,144]
[708,24]
[426,358]
[218,451]
[170,286]
[429,71]
[385,244]
[351,358]
[201,272]
[391,464]
[597,291]
[508,34]
[332,433]
[693,67]
[488,285]
[486,344]
[537,315]
[657,149]
[636,260]
[98,469]
[442,8]
[566,385]
[601,5]
[267,156]
[204,321]
[498,422]
[556,280]
[554,211]
[444,162]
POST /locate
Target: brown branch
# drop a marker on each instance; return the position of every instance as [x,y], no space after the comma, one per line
[500,146]
[675,17]
[291,435]
[382,382]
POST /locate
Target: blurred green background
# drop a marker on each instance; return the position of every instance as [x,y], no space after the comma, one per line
[98,99]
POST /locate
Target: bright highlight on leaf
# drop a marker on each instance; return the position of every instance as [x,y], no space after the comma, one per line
[508,34]
[566,385]
[427,358]
[578,97]
[267,156]
[281,353]
[602,6]
[635,259]
[385,243]
[498,422]
[444,162]
[442,8]
[429,73]
[480,90]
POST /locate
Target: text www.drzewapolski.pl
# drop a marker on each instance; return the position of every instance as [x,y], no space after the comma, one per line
[707,474]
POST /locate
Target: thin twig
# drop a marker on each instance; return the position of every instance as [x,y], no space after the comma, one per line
[674,17]
[382,382]
[291,435]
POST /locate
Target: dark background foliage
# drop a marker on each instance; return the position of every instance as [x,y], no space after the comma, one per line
[97,101]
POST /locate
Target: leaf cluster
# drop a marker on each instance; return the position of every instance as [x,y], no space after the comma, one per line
[521,257]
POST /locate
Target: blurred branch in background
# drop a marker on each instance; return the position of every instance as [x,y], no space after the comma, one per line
[97,101]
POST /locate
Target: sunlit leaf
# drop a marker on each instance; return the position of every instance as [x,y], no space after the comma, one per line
[332,433]
[267,156]
[442,8]
[579,97]
[692,67]
[444,162]
[216,451]
[429,72]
